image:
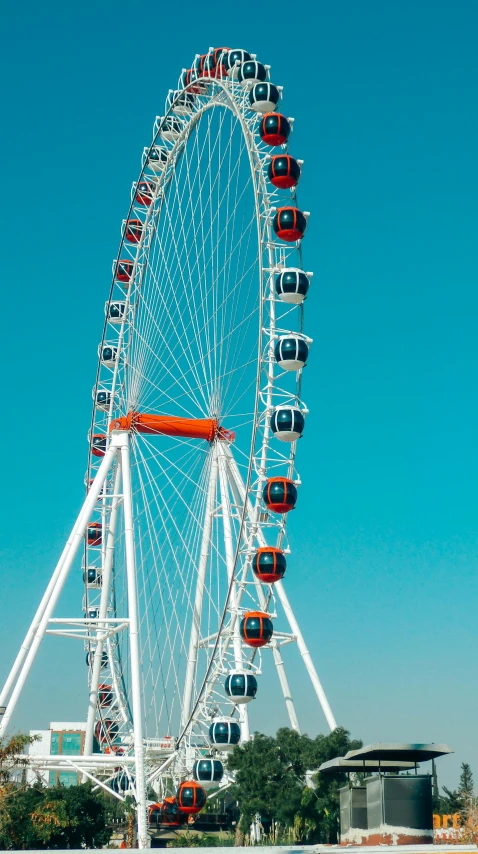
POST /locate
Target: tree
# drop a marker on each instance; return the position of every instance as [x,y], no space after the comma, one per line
[189,839]
[470,825]
[37,817]
[10,752]
[436,797]
[270,780]
[466,792]
[85,825]
[320,807]
[262,784]
[40,817]
[466,786]
[16,827]
[49,818]
[452,802]
[459,800]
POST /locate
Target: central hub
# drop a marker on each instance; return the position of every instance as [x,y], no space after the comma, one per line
[171,425]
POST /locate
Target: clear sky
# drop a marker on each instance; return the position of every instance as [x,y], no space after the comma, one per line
[385,538]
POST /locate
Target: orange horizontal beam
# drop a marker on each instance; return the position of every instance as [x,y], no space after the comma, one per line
[171,425]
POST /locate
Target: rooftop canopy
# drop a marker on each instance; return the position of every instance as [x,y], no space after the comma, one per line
[387,751]
[340,766]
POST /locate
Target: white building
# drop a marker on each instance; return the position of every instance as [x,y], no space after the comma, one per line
[63,738]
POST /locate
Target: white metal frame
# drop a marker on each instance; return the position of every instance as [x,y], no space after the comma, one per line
[233,503]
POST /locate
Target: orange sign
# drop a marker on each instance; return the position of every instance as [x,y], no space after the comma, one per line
[444,821]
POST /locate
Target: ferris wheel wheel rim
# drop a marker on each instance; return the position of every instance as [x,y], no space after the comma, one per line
[260,189]
[265,237]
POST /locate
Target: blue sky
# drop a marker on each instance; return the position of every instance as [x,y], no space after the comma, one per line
[385,544]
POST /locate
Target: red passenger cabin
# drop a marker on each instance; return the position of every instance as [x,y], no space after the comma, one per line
[283,171]
[269,564]
[289,224]
[274,129]
[279,494]
[93,534]
[191,797]
[256,628]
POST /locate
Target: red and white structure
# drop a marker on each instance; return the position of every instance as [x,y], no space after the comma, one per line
[197,409]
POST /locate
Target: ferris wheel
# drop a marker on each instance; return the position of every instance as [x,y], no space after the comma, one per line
[197,410]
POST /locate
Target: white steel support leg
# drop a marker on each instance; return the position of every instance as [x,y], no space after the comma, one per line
[33,627]
[307,658]
[280,667]
[294,626]
[143,838]
[37,632]
[278,660]
[284,683]
[240,491]
[105,592]
[233,604]
[31,631]
[200,582]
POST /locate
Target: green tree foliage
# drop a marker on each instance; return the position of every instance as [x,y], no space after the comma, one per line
[436,797]
[11,764]
[457,800]
[466,786]
[10,751]
[57,817]
[452,801]
[270,781]
[465,792]
[189,839]
[16,827]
